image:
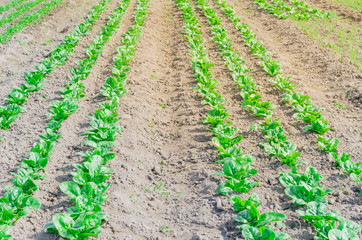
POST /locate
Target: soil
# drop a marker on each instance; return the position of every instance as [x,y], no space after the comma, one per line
[163,185]
[342,10]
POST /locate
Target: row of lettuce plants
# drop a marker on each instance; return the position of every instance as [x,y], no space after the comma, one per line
[35,78]
[301,104]
[19,11]
[18,201]
[11,4]
[87,190]
[316,12]
[277,12]
[236,164]
[28,19]
[302,188]
[283,10]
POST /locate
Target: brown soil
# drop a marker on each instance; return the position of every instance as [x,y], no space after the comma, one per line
[163,185]
[342,10]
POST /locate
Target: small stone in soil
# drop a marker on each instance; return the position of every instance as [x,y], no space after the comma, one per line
[272,181]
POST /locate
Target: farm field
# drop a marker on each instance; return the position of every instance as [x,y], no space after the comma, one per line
[180,119]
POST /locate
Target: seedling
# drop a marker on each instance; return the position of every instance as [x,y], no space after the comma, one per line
[162,105]
[340,105]
[165,229]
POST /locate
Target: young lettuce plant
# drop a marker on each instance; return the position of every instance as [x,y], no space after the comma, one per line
[277,145]
[254,225]
[303,188]
[328,144]
[328,224]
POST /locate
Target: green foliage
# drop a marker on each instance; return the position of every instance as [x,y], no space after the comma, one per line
[10,5]
[253,233]
[19,11]
[34,79]
[27,19]
[283,10]
[254,225]
[328,224]
[303,188]
[271,67]
[87,190]
[328,144]
[349,166]
[4,231]
[236,164]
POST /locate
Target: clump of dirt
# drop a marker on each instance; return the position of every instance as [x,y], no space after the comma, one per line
[355,96]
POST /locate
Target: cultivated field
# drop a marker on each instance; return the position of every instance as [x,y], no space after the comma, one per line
[180,119]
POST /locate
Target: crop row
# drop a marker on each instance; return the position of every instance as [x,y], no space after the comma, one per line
[87,190]
[27,19]
[10,4]
[283,10]
[18,201]
[303,6]
[301,104]
[302,188]
[35,78]
[19,11]
[236,164]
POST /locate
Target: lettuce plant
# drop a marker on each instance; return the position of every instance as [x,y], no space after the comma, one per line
[328,224]
[328,144]
[303,188]
[254,225]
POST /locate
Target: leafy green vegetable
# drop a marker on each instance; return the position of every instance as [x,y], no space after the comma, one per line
[328,224]
[303,188]
[328,145]
[255,225]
